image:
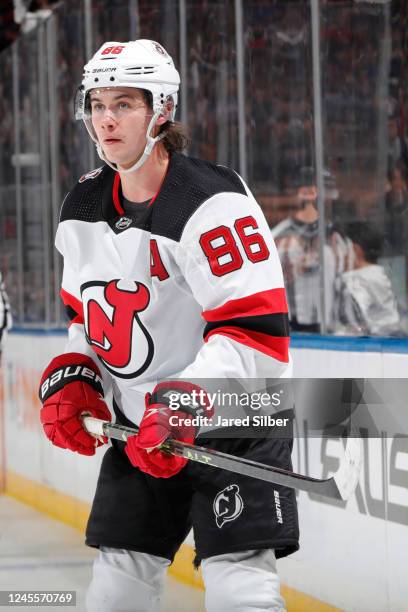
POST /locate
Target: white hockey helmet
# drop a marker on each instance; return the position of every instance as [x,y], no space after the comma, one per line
[142,64]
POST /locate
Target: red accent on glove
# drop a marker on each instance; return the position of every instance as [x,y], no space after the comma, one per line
[61,412]
[158,423]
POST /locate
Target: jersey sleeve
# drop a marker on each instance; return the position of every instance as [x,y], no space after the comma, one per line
[5,311]
[229,260]
[71,294]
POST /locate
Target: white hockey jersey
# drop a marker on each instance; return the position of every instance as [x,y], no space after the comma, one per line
[191,289]
[6,320]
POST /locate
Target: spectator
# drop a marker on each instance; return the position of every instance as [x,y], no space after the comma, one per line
[367,305]
[396,206]
[297,241]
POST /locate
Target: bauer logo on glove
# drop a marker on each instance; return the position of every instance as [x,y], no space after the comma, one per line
[70,388]
[60,377]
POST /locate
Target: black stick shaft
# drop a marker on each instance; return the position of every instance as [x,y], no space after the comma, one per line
[238,465]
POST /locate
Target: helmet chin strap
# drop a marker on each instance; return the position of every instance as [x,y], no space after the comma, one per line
[150,142]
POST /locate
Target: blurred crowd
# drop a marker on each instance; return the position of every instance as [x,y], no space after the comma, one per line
[13,13]
[9,28]
[365,115]
[365,103]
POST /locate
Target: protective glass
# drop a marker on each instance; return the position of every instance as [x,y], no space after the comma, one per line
[82,109]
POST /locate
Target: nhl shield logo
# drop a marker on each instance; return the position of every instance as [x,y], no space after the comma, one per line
[91,175]
[228,505]
[123,223]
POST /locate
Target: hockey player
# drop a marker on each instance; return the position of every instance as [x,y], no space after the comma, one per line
[170,274]
[6,320]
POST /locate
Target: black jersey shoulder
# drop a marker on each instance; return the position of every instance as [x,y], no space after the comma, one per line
[87,199]
[189,183]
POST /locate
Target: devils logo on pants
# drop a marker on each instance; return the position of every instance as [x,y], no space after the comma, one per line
[113,327]
[228,505]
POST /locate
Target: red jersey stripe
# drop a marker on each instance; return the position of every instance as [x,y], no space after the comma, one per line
[115,194]
[272,301]
[274,346]
[75,304]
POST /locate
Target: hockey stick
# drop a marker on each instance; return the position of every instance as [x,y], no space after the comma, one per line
[341,486]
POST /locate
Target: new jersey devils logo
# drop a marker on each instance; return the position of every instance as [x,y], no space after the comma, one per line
[227,505]
[113,327]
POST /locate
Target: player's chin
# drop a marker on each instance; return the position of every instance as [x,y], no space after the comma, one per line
[125,164]
[123,159]
[115,151]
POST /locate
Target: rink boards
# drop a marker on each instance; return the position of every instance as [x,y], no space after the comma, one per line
[353,557]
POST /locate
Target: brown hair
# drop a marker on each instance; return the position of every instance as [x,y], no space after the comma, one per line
[176,138]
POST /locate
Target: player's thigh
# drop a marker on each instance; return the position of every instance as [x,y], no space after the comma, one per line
[134,511]
[126,581]
[245,581]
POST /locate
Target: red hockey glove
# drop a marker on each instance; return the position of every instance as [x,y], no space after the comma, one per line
[71,387]
[166,416]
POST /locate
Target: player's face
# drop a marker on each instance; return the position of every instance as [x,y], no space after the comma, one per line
[120,117]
